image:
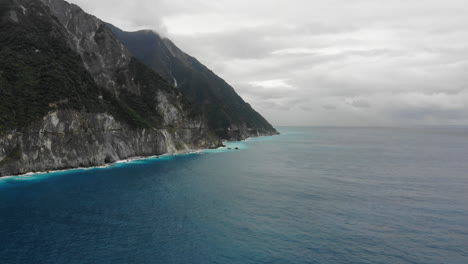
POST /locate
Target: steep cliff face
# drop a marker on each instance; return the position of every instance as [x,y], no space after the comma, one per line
[102,54]
[71,95]
[228,114]
[70,139]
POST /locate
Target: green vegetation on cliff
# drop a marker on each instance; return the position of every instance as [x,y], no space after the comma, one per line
[222,106]
[38,72]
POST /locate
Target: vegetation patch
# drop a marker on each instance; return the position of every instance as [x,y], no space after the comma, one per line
[12,156]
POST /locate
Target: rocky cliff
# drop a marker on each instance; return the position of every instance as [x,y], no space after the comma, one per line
[227,113]
[71,95]
[70,139]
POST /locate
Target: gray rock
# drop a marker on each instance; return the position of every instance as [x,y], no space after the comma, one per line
[70,139]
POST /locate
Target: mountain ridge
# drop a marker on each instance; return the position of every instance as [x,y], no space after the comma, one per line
[227,112]
[72,95]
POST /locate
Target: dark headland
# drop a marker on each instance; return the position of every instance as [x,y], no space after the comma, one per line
[78,92]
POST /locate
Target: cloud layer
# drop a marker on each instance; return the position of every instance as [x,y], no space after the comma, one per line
[334,62]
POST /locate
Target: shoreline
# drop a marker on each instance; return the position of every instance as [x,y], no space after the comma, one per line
[129,160]
[110,165]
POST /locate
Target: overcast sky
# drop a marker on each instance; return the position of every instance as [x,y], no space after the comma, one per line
[329,62]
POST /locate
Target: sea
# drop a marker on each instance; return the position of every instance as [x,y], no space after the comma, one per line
[310,195]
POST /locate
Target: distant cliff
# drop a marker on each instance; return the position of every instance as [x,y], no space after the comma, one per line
[72,95]
[228,114]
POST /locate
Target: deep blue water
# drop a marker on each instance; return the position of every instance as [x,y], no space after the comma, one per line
[311,195]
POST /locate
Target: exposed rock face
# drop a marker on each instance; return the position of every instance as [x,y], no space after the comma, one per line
[72,94]
[228,115]
[87,102]
[69,139]
[102,54]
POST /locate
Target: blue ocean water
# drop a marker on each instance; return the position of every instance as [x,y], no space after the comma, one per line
[311,195]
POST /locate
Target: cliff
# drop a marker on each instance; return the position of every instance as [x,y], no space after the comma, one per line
[71,95]
[227,113]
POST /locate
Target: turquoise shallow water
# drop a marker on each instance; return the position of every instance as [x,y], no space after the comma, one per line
[311,195]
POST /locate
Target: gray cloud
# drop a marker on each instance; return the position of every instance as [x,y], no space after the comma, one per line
[311,62]
[358,102]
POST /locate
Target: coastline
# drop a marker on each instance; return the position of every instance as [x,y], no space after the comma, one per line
[138,158]
[110,165]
